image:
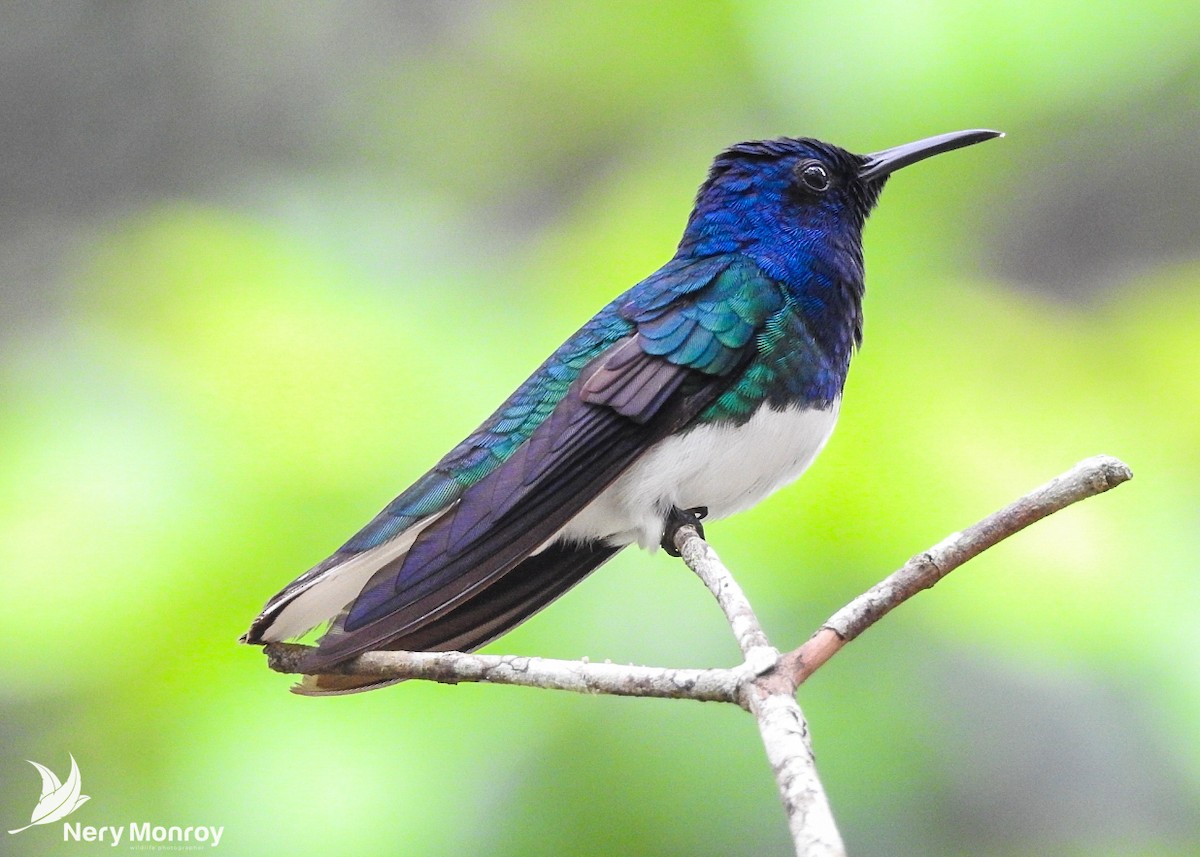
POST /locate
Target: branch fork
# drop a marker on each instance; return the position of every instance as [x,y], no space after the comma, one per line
[765,683]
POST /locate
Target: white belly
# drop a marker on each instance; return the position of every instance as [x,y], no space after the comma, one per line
[725,468]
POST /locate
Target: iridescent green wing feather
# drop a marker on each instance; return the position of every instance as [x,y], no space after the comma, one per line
[642,369]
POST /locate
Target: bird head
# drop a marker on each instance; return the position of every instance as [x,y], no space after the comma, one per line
[790,201]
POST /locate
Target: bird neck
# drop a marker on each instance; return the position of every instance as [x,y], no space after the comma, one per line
[825,282]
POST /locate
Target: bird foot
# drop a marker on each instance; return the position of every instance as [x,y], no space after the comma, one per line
[677,518]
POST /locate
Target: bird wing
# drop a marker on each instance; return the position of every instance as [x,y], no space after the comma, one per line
[681,335]
[316,596]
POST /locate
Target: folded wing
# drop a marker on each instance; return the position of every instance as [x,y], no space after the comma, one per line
[475,559]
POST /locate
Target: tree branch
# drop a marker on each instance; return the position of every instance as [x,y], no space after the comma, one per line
[765,684]
[703,685]
[747,630]
[1088,478]
[771,697]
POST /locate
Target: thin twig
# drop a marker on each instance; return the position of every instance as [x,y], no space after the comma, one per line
[713,685]
[1088,478]
[771,698]
[747,630]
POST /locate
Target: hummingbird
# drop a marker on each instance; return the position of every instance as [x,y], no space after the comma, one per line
[694,395]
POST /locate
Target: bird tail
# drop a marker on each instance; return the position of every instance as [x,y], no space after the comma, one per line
[495,609]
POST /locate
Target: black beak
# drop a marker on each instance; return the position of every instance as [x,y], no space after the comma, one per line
[878,165]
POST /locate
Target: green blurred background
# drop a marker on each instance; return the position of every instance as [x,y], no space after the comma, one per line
[261,264]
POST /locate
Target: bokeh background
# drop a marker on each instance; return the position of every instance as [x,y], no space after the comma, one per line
[262,263]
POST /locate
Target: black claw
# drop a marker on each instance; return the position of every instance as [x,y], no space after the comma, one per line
[677,518]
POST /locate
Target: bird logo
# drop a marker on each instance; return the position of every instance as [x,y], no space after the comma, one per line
[58,799]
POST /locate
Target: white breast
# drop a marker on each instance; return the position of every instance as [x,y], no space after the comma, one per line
[723,467]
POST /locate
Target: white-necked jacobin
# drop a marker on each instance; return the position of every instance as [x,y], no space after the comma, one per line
[696,393]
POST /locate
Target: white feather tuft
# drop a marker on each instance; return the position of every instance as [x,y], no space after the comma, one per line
[322,599]
[724,467]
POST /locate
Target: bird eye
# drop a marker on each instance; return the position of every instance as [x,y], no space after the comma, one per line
[813,175]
